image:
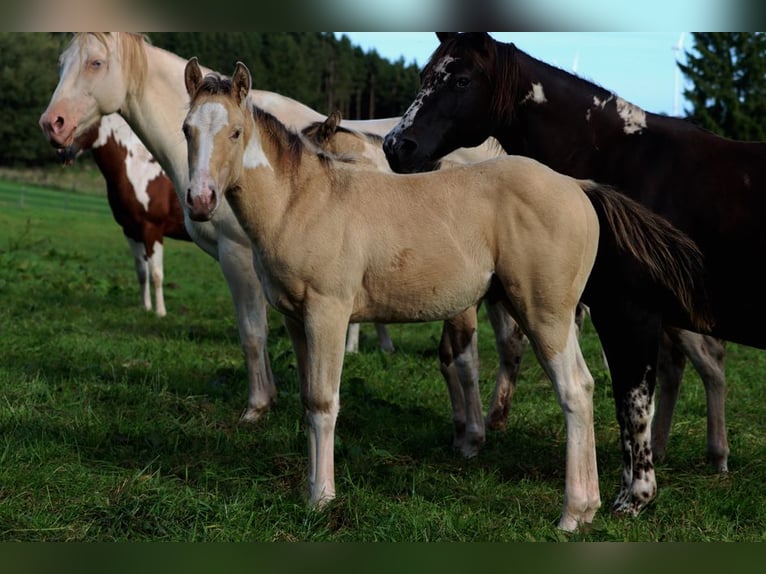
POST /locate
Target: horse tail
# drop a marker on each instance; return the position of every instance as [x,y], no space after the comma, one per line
[672,259]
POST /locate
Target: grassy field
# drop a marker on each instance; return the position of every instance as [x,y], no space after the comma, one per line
[116,425]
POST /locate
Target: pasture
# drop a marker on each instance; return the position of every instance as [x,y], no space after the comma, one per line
[117,425]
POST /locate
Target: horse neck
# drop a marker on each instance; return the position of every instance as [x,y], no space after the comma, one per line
[273,182]
[156,114]
[561,120]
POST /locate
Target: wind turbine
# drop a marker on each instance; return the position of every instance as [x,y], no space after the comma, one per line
[678,48]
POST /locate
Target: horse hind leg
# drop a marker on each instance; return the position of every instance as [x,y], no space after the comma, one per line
[707,356]
[459,361]
[384,339]
[630,338]
[573,384]
[510,343]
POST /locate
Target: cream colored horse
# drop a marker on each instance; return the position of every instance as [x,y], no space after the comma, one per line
[333,243]
[366,149]
[103,73]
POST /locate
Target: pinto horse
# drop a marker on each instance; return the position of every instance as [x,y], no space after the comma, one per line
[103,73]
[474,87]
[141,197]
[334,243]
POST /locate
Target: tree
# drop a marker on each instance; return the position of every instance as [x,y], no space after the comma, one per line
[728,73]
[28,76]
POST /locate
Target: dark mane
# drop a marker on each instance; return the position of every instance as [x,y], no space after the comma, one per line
[496,60]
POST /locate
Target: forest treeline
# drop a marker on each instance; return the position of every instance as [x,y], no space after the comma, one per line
[726,70]
[317,68]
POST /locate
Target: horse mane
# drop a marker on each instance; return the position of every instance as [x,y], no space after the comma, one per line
[131,46]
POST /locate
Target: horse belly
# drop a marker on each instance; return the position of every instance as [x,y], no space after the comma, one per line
[425,293]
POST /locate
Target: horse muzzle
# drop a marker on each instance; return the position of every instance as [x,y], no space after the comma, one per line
[201,205]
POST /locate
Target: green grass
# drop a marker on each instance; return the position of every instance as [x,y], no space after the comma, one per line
[117,425]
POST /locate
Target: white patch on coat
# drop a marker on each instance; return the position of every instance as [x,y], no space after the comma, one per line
[536,94]
[438,76]
[633,116]
[254,156]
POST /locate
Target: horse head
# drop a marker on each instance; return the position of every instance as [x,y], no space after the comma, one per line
[214,129]
[455,92]
[92,82]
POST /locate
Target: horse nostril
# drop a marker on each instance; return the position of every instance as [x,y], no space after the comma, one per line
[407,146]
[189,197]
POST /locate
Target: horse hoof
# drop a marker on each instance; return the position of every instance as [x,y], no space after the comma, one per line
[252,416]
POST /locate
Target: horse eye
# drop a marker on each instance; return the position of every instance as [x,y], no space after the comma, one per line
[462,82]
[236,133]
[95,63]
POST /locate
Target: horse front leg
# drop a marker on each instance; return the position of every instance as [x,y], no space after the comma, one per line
[320,340]
[250,306]
[461,335]
[630,338]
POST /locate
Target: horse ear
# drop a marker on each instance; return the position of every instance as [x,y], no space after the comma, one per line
[192,76]
[333,120]
[328,128]
[444,36]
[241,80]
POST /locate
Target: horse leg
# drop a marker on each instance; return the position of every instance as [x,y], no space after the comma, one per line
[670,369]
[630,338]
[250,306]
[156,266]
[320,341]
[707,355]
[510,342]
[352,338]
[454,388]
[384,339]
[573,384]
[461,332]
[142,271]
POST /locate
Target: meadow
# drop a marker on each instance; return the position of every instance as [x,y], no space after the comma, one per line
[117,425]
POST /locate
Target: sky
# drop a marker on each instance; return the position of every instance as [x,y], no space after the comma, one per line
[640,67]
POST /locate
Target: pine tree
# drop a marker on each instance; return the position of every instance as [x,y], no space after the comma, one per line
[728,73]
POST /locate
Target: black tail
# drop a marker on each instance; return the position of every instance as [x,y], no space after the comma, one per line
[671,258]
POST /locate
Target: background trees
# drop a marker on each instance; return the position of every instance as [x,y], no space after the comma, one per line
[315,68]
[728,75]
[727,72]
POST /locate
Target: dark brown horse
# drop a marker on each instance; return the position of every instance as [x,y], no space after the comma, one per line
[474,87]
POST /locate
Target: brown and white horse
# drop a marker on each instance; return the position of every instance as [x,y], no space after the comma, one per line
[335,243]
[142,199]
